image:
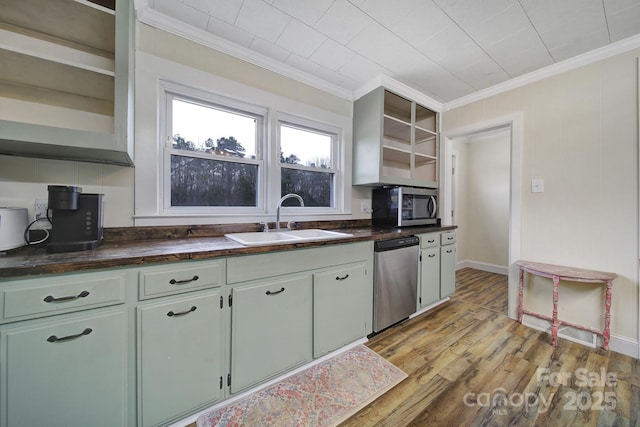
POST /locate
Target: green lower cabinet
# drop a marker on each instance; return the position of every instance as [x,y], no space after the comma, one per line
[180,356]
[429,277]
[270,328]
[67,372]
[339,307]
[447,270]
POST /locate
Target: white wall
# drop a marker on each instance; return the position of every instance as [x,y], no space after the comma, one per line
[482,198]
[166,57]
[580,136]
[23,180]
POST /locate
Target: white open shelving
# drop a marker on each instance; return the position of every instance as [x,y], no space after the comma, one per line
[59,79]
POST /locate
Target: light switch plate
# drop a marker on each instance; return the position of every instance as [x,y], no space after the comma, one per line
[537,185]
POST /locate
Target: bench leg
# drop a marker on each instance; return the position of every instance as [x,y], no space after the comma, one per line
[607,316]
[554,325]
[521,297]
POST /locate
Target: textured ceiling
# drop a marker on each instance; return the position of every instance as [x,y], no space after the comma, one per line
[445,49]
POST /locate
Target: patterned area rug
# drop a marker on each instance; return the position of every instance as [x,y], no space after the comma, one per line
[323,395]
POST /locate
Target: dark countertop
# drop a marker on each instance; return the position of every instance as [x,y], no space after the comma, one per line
[118,251]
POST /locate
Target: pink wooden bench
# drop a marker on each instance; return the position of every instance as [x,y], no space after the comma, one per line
[557,273]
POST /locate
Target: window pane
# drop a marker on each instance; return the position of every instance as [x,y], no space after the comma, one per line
[304,147]
[315,188]
[209,182]
[204,128]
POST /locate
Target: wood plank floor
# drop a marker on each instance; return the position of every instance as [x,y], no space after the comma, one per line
[470,365]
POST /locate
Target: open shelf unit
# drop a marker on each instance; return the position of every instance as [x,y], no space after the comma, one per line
[408,145]
[64,79]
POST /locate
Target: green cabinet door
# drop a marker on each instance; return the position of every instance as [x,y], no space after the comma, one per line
[180,356]
[270,329]
[70,372]
[447,270]
[429,277]
[339,307]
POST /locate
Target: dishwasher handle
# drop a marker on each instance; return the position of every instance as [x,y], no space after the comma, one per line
[391,244]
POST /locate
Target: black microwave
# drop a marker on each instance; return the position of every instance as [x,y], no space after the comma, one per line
[404,206]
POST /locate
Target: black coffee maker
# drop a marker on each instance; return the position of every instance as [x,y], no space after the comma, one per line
[76,219]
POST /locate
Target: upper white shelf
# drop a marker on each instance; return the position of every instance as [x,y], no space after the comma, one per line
[38,45]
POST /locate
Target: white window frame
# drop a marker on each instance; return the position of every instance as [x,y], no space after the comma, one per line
[170,91]
[337,162]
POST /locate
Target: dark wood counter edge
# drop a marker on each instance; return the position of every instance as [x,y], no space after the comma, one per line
[33,262]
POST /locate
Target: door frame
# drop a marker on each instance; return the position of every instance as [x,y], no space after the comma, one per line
[514,123]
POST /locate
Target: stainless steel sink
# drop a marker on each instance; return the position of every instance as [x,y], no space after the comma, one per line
[289,236]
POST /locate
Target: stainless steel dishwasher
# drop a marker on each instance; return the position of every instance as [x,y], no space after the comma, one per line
[395,283]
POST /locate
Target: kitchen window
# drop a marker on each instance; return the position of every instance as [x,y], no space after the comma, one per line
[222,159]
[308,161]
[213,154]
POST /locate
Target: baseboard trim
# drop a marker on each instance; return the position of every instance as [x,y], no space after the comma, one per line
[617,343]
[483,266]
[624,345]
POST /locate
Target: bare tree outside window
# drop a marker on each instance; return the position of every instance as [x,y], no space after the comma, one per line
[306,164]
[213,156]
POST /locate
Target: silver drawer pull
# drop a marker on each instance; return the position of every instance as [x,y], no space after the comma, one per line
[431,241]
[82,294]
[449,238]
[182,313]
[449,251]
[431,255]
[54,338]
[346,276]
[275,292]
[182,282]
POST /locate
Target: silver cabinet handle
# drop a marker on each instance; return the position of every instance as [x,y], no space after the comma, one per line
[182,282]
[431,255]
[54,338]
[346,276]
[51,298]
[275,292]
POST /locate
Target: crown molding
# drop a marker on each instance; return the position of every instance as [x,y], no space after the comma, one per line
[152,17]
[399,88]
[587,58]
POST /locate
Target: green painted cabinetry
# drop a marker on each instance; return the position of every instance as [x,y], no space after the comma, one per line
[447,264]
[180,355]
[339,311]
[270,328]
[145,346]
[66,81]
[429,277]
[66,371]
[290,306]
[437,267]
[395,141]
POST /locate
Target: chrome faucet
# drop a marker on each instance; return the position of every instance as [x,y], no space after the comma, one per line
[285,197]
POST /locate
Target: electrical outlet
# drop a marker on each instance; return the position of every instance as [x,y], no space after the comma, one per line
[41,207]
[365,206]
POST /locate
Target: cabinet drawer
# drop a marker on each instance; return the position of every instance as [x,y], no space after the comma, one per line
[61,294]
[429,240]
[175,279]
[448,238]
